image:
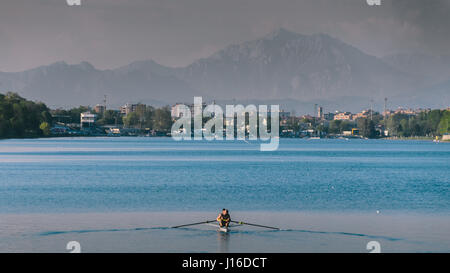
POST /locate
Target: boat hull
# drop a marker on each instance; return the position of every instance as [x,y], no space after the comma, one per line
[223,229]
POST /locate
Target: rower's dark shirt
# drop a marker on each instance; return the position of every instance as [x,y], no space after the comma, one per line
[225,217]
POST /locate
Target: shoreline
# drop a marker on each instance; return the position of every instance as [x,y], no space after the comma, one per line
[428,139]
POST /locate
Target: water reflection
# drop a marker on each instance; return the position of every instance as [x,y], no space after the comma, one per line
[223,240]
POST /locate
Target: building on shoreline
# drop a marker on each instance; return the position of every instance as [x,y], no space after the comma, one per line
[343,116]
[99,109]
[132,107]
[87,120]
[320,114]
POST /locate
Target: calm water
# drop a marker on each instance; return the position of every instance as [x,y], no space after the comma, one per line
[158,174]
[121,194]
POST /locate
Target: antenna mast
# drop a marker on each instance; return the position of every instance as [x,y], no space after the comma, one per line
[371,109]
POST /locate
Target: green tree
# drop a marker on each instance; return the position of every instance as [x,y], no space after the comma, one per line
[75,113]
[162,120]
[345,126]
[335,127]
[367,127]
[110,117]
[404,128]
[322,128]
[148,117]
[45,128]
[21,118]
[131,120]
[444,124]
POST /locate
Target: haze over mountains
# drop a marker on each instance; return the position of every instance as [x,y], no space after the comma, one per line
[282,67]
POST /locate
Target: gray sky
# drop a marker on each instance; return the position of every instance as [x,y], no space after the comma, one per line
[111,33]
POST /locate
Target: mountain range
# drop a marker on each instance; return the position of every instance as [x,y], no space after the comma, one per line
[283,67]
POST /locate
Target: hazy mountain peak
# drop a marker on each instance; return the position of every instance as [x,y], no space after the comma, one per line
[63,65]
[58,64]
[85,66]
[150,66]
[144,63]
[282,34]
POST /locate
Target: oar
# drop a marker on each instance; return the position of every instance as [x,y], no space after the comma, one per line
[194,224]
[255,225]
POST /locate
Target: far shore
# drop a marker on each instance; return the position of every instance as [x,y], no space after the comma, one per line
[419,138]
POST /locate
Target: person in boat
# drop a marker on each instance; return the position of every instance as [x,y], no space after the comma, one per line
[224,218]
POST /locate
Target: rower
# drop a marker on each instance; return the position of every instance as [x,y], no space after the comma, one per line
[224,218]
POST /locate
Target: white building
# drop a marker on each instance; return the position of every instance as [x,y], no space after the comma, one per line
[87,119]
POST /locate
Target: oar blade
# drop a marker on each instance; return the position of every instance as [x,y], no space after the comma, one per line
[194,224]
[255,225]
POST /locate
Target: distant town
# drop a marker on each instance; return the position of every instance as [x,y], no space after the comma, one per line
[138,119]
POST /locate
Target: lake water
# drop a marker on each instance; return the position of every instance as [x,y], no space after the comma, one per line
[121,194]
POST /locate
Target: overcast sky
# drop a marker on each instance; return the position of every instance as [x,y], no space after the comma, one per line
[111,33]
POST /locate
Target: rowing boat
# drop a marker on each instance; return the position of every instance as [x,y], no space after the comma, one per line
[225,229]
[219,228]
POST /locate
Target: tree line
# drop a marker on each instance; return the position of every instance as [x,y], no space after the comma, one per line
[148,117]
[145,117]
[425,124]
[21,118]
